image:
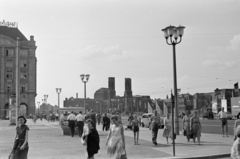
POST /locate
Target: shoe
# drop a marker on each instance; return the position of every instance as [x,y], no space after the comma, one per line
[137,143]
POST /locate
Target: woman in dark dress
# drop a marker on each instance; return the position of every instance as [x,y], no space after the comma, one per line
[20,147]
[91,139]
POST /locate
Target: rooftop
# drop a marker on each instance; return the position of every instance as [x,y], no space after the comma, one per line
[12,33]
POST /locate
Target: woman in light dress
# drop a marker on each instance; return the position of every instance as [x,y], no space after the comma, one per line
[186,125]
[195,127]
[116,140]
[167,132]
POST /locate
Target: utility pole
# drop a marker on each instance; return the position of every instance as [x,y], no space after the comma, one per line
[17,81]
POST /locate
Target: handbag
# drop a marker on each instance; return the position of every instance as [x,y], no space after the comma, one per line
[124,156]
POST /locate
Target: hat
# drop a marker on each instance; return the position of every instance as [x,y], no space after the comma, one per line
[25,120]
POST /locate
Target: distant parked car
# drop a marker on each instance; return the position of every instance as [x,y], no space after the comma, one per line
[229,115]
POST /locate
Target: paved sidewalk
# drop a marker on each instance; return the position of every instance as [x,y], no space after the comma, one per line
[212,145]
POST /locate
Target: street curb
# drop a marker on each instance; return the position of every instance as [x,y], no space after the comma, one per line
[200,157]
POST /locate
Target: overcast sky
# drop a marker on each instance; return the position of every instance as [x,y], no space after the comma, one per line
[123,39]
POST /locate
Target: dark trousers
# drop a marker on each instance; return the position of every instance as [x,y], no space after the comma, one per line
[80,125]
[104,127]
[154,132]
[72,127]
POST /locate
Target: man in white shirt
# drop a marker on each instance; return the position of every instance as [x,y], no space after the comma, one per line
[71,123]
[80,123]
[223,117]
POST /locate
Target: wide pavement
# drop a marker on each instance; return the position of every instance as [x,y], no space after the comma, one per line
[46,142]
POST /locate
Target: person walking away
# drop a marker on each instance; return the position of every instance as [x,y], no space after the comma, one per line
[235,150]
[235,126]
[91,140]
[93,117]
[186,125]
[71,123]
[135,128]
[20,147]
[34,118]
[80,123]
[167,131]
[108,123]
[98,118]
[116,140]
[130,118]
[223,117]
[119,117]
[105,122]
[195,127]
[155,120]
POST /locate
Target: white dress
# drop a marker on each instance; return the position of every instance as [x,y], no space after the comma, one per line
[115,143]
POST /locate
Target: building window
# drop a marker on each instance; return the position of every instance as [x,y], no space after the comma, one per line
[23,87]
[9,52]
[9,63]
[23,63]
[9,86]
[9,74]
[23,53]
[23,75]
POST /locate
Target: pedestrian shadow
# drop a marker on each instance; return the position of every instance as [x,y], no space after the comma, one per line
[158,145]
[202,143]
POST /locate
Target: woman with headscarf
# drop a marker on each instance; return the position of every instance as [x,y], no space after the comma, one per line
[155,120]
[91,140]
[195,127]
[20,147]
[116,140]
[186,125]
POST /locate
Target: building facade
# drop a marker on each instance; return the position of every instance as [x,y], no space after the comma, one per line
[27,70]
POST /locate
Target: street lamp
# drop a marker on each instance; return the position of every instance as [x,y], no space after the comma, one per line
[84,79]
[173,36]
[45,97]
[58,90]
[38,106]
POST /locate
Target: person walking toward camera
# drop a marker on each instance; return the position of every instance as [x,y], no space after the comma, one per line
[20,147]
[186,125]
[91,140]
[167,132]
[195,127]
[135,128]
[223,117]
[155,122]
[116,140]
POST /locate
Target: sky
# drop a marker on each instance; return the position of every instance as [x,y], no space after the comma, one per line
[124,39]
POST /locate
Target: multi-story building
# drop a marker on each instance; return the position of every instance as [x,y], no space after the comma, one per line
[27,70]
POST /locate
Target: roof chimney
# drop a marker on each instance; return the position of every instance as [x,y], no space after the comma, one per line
[31,38]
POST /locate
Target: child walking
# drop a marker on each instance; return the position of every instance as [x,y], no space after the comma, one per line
[135,125]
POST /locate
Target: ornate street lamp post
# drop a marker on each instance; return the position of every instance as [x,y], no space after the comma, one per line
[58,90]
[173,37]
[84,79]
[38,106]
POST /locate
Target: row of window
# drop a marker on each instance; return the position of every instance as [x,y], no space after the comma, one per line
[10,53]
[9,89]
[23,63]
[9,74]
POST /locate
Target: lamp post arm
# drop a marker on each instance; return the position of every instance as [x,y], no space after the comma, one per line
[179,41]
[168,42]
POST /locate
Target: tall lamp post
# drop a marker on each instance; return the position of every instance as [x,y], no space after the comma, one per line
[38,106]
[58,90]
[84,79]
[45,97]
[173,36]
